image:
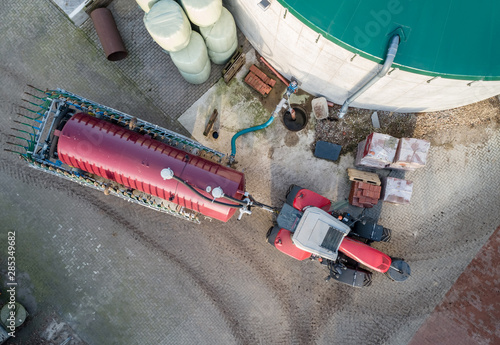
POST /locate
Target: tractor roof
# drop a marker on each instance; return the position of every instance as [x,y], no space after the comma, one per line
[320,233]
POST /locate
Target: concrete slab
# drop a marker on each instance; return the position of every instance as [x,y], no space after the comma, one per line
[74,9]
[276,156]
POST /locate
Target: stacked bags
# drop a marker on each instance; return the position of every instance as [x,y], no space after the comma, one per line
[192,61]
[221,38]
[169,26]
[202,12]
[146,4]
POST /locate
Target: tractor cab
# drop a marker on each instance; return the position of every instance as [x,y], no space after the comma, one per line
[319,233]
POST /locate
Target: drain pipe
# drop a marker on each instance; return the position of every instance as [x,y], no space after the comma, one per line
[389,59]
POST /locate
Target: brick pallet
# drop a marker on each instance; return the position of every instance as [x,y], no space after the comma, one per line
[411,154]
[259,81]
[377,151]
[364,194]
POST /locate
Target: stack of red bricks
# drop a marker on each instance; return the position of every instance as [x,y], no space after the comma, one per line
[364,194]
[259,81]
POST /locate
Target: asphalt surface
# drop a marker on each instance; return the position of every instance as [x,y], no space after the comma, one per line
[117,273]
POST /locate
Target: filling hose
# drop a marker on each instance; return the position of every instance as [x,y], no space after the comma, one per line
[247,130]
[240,204]
[280,105]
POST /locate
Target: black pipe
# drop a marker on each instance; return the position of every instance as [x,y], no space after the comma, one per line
[209,199]
[240,202]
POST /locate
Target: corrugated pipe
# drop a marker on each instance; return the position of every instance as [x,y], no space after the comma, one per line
[389,59]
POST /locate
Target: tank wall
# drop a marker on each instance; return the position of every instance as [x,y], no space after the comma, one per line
[329,70]
[136,161]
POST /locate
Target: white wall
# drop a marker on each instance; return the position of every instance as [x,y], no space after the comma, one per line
[325,68]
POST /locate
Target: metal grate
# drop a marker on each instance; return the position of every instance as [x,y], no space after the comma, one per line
[332,239]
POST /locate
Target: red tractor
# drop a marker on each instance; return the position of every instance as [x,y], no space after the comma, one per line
[307,229]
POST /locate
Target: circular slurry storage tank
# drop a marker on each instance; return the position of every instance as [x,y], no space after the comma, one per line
[448,55]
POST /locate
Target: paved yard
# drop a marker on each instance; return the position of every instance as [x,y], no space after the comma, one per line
[108,272]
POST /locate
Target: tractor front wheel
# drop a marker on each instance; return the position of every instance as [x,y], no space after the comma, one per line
[271,234]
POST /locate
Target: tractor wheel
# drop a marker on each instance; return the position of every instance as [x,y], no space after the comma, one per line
[399,270]
[292,192]
[271,234]
[386,235]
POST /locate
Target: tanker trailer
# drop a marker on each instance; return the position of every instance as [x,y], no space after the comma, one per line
[122,155]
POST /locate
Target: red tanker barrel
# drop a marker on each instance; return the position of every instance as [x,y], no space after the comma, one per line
[136,161]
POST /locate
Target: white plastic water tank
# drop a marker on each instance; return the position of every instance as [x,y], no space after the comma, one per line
[194,57]
[168,25]
[222,58]
[197,78]
[202,12]
[146,4]
[221,36]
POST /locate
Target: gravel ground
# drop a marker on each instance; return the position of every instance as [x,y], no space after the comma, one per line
[433,126]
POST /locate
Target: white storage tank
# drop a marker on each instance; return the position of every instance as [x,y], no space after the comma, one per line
[193,60]
[221,38]
[168,25]
[202,12]
[334,47]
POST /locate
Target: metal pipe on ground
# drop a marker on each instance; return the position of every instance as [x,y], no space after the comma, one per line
[391,54]
[108,33]
[286,82]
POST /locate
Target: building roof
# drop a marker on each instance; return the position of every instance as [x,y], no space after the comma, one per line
[448,38]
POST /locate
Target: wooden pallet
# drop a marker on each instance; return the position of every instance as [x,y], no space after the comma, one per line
[363,176]
[234,65]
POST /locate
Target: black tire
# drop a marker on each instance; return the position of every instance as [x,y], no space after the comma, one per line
[292,192]
[53,147]
[352,276]
[386,235]
[271,234]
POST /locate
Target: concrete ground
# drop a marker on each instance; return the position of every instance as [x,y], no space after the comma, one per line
[103,271]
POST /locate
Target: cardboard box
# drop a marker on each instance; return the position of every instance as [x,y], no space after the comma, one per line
[411,154]
[397,191]
[377,151]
